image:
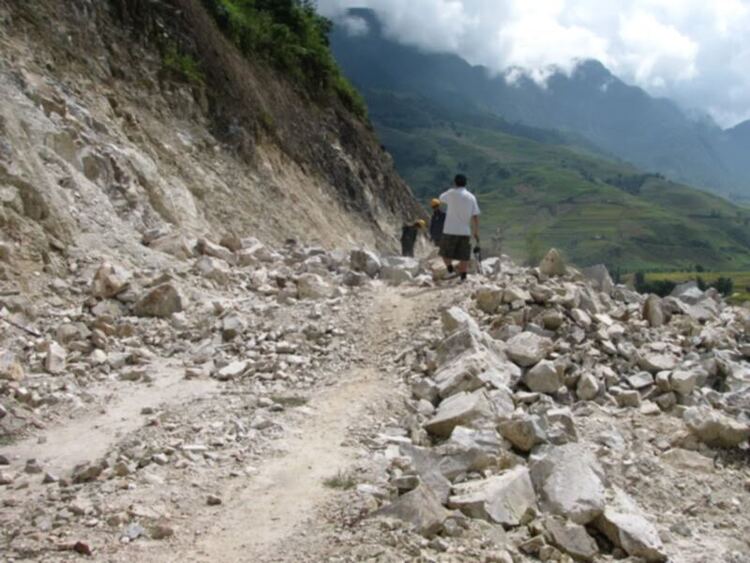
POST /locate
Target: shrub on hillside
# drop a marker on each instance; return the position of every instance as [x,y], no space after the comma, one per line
[184,66]
[662,288]
[293,38]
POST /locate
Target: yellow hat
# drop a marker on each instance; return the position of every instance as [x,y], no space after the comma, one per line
[421,223]
[435,203]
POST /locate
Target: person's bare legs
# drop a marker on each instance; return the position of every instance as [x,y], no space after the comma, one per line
[463,267]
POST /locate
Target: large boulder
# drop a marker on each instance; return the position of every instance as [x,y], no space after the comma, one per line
[543,378]
[627,527]
[465,373]
[716,429]
[251,246]
[161,301]
[654,362]
[489,299]
[433,469]
[54,359]
[703,311]
[232,371]
[214,269]
[571,538]
[570,482]
[653,312]
[506,499]
[109,281]
[553,320]
[488,441]
[421,508]
[553,264]
[599,277]
[683,382]
[462,409]
[587,387]
[312,286]
[687,460]
[527,348]
[466,339]
[175,244]
[253,252]
[365,261]
[395,275]
[405,263]
[455,318]
[688,292]
[514,294]
[524,432]
[208,248]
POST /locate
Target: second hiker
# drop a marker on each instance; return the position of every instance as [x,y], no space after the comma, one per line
[409,233]
[437,222]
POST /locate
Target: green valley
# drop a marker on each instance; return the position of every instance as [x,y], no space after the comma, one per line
[542,189]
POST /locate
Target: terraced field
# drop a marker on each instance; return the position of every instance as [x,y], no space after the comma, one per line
[596,210]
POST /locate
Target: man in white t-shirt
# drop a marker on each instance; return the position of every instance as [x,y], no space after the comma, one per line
[461,222]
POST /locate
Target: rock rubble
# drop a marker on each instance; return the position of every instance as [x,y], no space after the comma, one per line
[523,391]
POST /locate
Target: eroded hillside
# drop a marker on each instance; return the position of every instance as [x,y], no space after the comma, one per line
[106,135]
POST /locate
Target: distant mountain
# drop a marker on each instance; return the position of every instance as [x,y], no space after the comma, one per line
[622,120]
[741,134]
[541,190]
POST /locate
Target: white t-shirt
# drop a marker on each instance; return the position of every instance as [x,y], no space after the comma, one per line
[461,207]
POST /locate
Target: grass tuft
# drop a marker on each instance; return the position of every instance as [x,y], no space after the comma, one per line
[184,66]
[343,480]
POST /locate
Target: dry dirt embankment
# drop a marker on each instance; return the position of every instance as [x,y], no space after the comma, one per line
[102,143]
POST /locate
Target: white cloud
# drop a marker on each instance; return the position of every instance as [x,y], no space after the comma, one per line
[694,51]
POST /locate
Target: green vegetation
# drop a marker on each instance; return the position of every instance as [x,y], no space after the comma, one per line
[735,285]
[289,400]
[342,480]
[549,191]
[185,66]
[293,38]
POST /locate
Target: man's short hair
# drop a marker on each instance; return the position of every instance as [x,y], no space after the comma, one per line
[461,180]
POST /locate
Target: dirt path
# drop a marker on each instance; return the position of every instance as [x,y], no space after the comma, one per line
[264,518]
[60,448]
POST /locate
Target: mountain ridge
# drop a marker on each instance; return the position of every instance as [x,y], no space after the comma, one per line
[623,120]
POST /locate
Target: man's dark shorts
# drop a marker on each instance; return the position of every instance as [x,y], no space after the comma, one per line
[455,247]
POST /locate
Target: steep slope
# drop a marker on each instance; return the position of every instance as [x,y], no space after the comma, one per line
[541,191]
[654,134]
[124,117]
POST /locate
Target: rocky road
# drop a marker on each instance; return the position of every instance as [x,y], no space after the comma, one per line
[255,404]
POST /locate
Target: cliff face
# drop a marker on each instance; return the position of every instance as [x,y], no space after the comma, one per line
[101,141]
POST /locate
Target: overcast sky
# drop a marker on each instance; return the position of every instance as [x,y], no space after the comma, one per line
[694,51]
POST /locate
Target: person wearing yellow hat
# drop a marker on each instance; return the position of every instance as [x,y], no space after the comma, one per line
[437,221]
[409,233]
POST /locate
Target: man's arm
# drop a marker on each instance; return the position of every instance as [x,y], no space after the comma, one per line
[475,227]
